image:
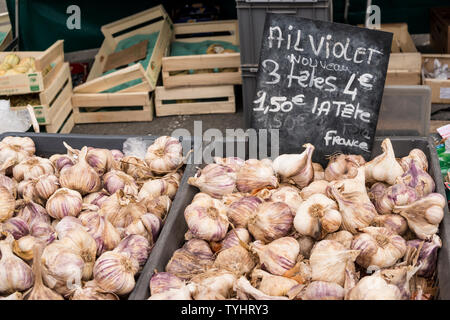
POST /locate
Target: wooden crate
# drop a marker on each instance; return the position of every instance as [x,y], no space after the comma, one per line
[198,31]
[440,89]
[55,105]
[118,30]
[5,26]
[170,102]
[440,29]
[39,80]
[90,96]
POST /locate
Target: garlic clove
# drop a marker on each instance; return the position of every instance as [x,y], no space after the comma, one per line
[67,224]
[394,222]
[289,195]
[137,246]
[384,168]
[322,290]
[240,211]
[296,168]
[116,180]
[215,180]
[235,237]
[236,259]
[164,281]
[254,175]
[91,291]
[101,160]
[96,198]
[61,161]
[315,187]
[164,155]
[64,202]
[427,259]
[7,204]
[418,157]
[271,221]
[45,186]
[23,248]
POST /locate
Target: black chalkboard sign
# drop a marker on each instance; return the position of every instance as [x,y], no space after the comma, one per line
[320,83]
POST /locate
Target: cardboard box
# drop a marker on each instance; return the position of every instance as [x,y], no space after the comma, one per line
[440,89]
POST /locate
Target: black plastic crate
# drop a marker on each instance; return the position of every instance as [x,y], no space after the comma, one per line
[172,237]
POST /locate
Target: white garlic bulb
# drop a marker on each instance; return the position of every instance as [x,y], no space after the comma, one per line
[289,195]
[96,198]
[254,175]
[121,210]
[236,259]
[315,187]
[45,186]
[329,260]
[317,216]
[137,246]
[32,168]
[241,210]
[158,206]
[296,168]
[67,224]
[234,162]
[235,237]
[322,290]
[9,184]
[342,166]
[213,285]
[215,179]
[380,247]
[244,290]
[344,237]
[101,160]
[164,155]
[23,247]
[116,180]
[374,288]
[64,202]
[14,150]
[7,204]
[394,222]
[91,291]
[272,285]
[136,167]
[278,256]
[206,218]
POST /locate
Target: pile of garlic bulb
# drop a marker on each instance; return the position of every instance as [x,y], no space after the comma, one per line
[289,229]
[81,225]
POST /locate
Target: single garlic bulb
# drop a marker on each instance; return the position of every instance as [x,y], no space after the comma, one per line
[321,290]
[272,285]
[296,168]
[319,172]
[214,284]
[183,293]
[27,190]
[15,275]
[235,237]
[329,259]
[164,155]
[394,222]
[104,233]
[385,167]
[136,167]
[272,220]
[315,187]
[43,231]
[374,288]
[62,267]
[278,256]
[154,188]
[240,211]
[164,281]
[173,179]
[424,215]
[9,184]
[23,248]
[40,291]
[417,179]
[342,166]
[96,198]
[45,186]
[137,246]
[101,160]
[147,226]
[17,227]
[386,198]
[428,255]
[289,195]
[116,180]
[236,259]
[158,206]
[64,202]
[418,157]
[254,175]
[32,212]
[234,162]
[33,168]
[80,177]
[114,272]
[193,258]
[67,224]
[380,247]
[61,161]
[215,179]
[7,204]
[14,150]
[91,291]
[343,237]
[317,216]
[206,218]
[121,210]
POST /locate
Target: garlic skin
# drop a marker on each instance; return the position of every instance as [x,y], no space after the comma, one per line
[384,168]
[45,186]
[9,184]
[23,248]
[343,237]
[149,222]
[117,154]
[27,190]
[379,247]
[396,195]
[235,237]
[116,180]
[394,222]
[91,291]
[343,166]
[206,218]
[315,187]
[67,224]
[321,290]
[329,259]
[271,221]
[155,188]
[244,289]
[64,202]
[135,167]
[114,272]
[61,161]
[424,215]
[193,258]
[122,211]
[417,179]
[40,291]
[317,216]
[289,195]
[101,160]
[215,180]
[158,206]
[296,168]
[32,212]
[213,285]
[80,177]
[255,174]
[427,260]
[7,204]
[374,288]
[96,198]
[418,157]
[240,211]
[234,162]
[236,259]
[137,246]
[14,150]
[42,231]
[272,285]
[17,227]
[319,172]
[164,281]
[278,256]
[15,275]
[32,168]
[164,155]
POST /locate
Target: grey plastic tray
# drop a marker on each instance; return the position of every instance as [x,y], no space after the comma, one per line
[172,237]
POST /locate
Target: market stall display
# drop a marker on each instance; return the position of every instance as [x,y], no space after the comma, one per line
[85,212]
[293,226]
[119,95]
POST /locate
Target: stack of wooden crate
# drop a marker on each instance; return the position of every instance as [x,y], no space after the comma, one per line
[51,84]
[204,83]
[94,102]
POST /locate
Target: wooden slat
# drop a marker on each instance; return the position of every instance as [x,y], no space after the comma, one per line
[58,117]
[114,116]
[193,92]
[202,61]
[54,54]
[203,79]
[87,100]
[126,56]
[65,94]
[68,126]
[208,27]
[60,77]
[163,110]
